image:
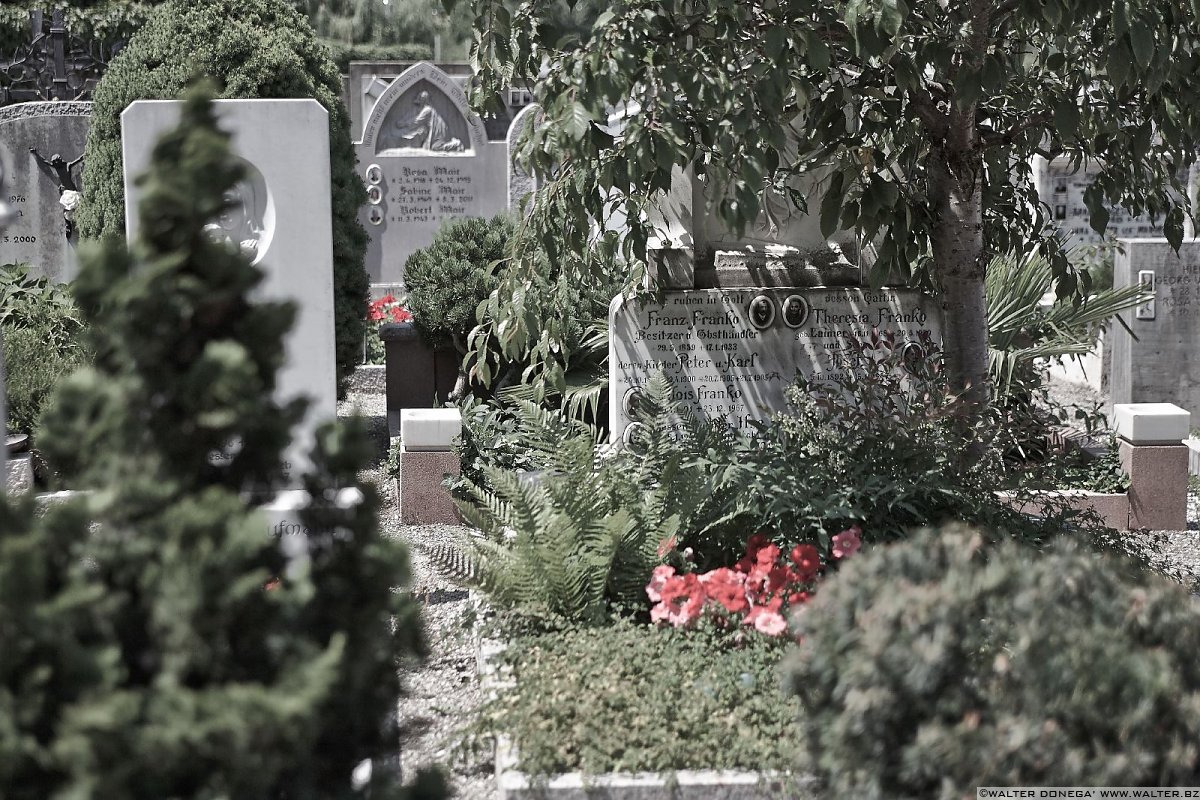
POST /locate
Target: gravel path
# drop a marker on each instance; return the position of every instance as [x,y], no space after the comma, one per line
[443,690]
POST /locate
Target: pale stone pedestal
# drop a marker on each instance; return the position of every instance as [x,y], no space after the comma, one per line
[1150,438]
[425,459]
[18,474]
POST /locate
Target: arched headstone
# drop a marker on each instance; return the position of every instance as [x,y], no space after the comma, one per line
[425,159]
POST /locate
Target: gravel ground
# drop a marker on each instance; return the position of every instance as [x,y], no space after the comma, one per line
[443,690]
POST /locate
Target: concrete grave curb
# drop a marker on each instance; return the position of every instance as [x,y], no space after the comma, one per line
[687,784]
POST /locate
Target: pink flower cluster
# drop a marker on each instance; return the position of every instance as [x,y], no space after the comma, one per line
[761,586]
[387,309]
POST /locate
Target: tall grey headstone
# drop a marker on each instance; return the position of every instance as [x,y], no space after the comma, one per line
[1163,364]
[282,219]
[426,159]
[732,353]
[7,214]
[41,151]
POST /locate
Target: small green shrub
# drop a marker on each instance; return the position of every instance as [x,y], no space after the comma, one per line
[43,334]
[254,49]
[447,280]
[672,700]
[882,447]
[930,667]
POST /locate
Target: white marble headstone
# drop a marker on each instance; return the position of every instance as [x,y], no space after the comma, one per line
[426,159]
[284,223]
[732,353]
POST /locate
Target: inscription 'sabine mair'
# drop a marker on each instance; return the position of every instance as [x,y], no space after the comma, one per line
[425,159]
[281,219]
[732,353]
[41,149]
[1163,364]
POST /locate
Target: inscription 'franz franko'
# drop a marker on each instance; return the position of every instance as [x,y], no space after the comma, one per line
[725,362]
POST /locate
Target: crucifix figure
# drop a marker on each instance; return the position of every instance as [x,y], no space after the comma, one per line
[61,170]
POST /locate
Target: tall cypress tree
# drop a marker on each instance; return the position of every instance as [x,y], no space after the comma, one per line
[178,649]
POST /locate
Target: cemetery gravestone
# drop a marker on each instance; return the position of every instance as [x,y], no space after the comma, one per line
[7,214]
[1062,187]
[425,159]
[1163,364]
[732,353]
[520,181]
[41,150]
[281,220]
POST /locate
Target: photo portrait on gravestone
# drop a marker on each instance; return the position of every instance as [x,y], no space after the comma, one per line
[761,312]
[795,311]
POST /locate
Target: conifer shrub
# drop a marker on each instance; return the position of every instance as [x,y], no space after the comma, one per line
[933,666]
[178,648]
[253,48]
[447,280]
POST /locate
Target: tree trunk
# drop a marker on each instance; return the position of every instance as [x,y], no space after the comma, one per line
[959,265]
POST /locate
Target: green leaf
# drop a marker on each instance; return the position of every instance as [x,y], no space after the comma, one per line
[576,121]
[831,205]
[1118,64]
[1141,37]
[1066,116]
[777,42]
[1173,227]
[891,17]
[818,53]
[1093,198]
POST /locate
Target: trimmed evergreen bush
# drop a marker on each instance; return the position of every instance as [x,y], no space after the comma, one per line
[930,667]
[179,649]
[447,280]
[254,48]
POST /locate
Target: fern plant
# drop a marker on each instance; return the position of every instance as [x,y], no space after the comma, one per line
[582,534]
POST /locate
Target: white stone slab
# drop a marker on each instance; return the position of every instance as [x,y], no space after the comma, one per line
[1145,423]
[722,366]
[429,428]
[1163,363]
[287,229]
[425,159]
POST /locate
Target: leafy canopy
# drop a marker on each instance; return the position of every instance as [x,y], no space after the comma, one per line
[923,116]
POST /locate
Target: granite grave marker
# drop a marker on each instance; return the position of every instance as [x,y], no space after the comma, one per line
[425,159]
[281,219]
[1062,187]
[1163,364]
[41,152]
[732,353]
